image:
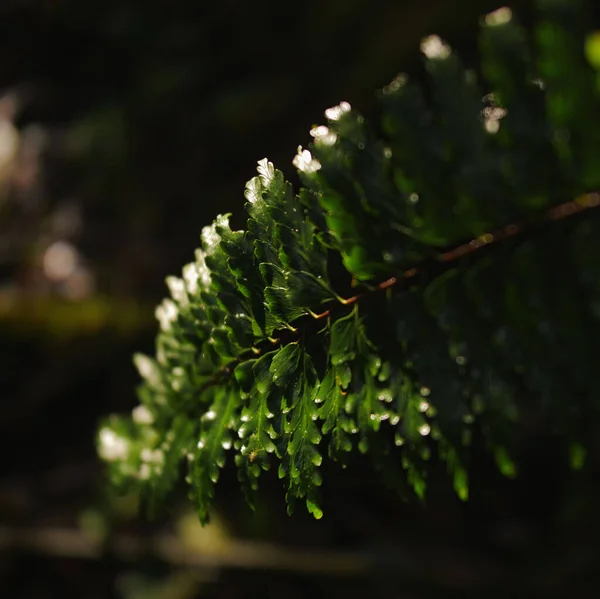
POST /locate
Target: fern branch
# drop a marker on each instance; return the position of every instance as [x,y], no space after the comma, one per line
[280,338]
[262,351]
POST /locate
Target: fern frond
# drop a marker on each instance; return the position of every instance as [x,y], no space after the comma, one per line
[468,234]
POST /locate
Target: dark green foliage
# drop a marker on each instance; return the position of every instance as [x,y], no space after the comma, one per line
[469,240]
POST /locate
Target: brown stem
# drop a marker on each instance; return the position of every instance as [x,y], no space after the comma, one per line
[557,213]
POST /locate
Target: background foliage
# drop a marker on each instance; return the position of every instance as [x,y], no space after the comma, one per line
[135,126]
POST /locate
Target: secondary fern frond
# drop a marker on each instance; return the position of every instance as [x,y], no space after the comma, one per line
[439,275]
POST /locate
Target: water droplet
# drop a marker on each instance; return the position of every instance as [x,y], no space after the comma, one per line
[335,112]
[424,429]
[396,84]
[385,396]
[498,17]
[425,391]
[323,135]
[201,444]
[210,415]
[112,447]
[413,198]
[492,126]
[493,112]
[141,415]
[387,152]
[226,444]
[395,420]
[423,406]
[461,360]
[434,48]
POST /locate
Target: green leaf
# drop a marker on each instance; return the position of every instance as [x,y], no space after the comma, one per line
[343,339]
[257,436]
[336,422]
[302,436]
[217,427]
[262,373]
[285,366]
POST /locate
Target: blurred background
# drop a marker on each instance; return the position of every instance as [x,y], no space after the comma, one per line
[125,127]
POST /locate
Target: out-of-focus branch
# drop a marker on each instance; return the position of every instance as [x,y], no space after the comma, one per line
[72,543]
[445,567]
[438,568]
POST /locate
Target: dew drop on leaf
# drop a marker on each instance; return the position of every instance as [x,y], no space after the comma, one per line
[424,429]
